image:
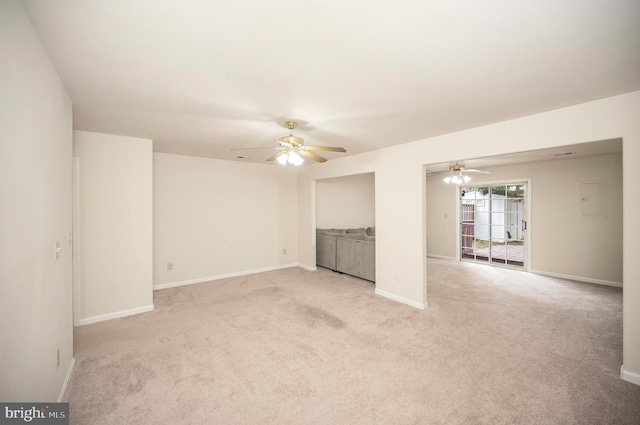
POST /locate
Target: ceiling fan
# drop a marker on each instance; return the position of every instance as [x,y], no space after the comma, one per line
[292,149]
[457,174]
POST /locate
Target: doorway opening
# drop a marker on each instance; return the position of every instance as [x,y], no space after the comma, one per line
[345,225]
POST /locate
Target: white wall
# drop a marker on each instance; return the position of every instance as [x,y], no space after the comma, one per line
[116,270]
[401,200]
[214,218]
[562,241]
[35,202]
[345,202]
[440,214]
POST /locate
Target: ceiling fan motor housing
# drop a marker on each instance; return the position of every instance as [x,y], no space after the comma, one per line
[292,140]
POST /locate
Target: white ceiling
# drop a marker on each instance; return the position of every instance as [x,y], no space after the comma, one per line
[201,77]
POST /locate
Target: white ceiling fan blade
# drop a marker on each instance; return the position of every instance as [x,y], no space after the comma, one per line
[324,148]
[248,149]
[436,173]
[312,156]
[276,155]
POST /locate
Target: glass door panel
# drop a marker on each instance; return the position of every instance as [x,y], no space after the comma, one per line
[491,223]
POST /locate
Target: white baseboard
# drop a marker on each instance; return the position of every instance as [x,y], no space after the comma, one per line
[634,378]
[309,268]
[115,315]
[224,276]
[400,299]
[578,278]
[442,257]
[66,380]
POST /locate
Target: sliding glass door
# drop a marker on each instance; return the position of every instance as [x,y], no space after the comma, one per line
[493,223]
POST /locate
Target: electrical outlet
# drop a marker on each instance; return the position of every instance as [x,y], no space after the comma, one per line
[169,266]
[58,358]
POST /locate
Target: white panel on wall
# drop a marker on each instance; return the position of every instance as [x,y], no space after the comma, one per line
[592,199]
[345,202]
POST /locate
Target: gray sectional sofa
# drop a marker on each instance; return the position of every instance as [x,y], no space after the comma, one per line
[350,251]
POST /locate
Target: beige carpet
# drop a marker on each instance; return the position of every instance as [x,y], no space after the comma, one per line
[495,346]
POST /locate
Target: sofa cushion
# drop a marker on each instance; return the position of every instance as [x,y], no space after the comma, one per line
[326,251]
[356,257]
[360,230]
[356,236]
[330,231]
[371,231]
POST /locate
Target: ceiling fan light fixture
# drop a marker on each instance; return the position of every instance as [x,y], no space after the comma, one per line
[290,157]
[457,178]
[294,158]
[282,159]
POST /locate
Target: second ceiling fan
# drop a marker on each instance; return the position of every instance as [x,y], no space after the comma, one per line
[457,173]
